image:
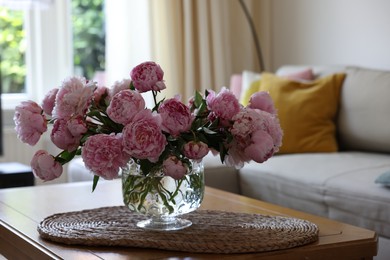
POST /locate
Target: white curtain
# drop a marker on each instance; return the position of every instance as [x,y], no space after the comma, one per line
[201,43]
[198,43]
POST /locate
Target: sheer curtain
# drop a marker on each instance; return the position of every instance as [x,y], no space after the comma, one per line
[198,43]
[201,43]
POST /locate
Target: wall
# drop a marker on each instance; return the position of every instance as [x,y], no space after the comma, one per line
[330,32]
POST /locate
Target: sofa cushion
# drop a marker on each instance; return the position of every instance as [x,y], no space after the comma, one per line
[334,185]
[307,111]
[354,198]
[220,176]
[384,179]
[318,71]
[364,110]
[251,81]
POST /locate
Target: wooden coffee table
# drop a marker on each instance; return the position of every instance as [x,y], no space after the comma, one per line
[22,209]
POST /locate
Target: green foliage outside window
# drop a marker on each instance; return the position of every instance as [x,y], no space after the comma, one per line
[12,51]
[89,36]
[88,43]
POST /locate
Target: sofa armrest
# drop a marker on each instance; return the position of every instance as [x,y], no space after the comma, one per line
[220,176]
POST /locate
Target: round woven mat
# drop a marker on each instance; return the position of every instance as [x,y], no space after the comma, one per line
[211,232]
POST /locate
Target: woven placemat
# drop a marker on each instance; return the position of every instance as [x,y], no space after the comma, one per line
[212,231]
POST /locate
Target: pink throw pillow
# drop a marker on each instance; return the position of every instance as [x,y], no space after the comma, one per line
[306,74]
[235,84]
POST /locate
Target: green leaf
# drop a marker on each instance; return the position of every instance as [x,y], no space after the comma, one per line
[208,131]
[66,156]
[146,166]
[202,108]
[95,182]
[198,99]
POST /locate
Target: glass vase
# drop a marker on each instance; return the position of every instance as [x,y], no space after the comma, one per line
[162,198]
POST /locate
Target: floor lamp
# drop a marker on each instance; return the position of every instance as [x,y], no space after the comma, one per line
[254,35]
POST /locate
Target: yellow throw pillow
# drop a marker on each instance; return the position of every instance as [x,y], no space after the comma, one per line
[301,75]
[307,111]
[253,88]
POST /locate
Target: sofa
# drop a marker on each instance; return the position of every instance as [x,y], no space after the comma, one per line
[351,184]
[345,181]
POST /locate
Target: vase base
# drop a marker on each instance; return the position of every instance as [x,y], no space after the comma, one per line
[164,224]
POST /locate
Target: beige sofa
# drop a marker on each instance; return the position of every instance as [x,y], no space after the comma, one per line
[339,185]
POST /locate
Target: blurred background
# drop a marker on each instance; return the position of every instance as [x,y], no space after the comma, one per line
[199,44]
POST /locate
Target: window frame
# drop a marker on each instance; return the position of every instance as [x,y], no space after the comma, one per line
[48,59]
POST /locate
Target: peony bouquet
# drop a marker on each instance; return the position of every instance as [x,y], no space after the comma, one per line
[107,127]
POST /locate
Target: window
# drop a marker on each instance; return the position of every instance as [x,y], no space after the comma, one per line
[12,51]
[88,37]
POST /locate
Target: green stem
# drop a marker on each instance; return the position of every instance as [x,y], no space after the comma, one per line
[154,97]
[177,189]
[163,197]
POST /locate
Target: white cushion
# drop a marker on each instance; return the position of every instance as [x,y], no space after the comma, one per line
[364,122]
[318,71]
[324,183]
[78,172]
[248,77]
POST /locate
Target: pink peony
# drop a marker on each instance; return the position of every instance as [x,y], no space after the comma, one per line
[263,101]
[195,150]
[174,168]
[224,105]
[253,131]
[176,117]
[45,167]
[148,76]
[236,156]
[73,97]
[261,148]
[142,137]
[30,124]
[49,101]
[77,126]
[100,93]
[211,96]
[102,154]
[66,134]
[118,86]
[124,105]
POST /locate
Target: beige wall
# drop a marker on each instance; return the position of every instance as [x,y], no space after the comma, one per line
[330,32]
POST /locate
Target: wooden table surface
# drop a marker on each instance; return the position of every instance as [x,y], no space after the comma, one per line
[21,210]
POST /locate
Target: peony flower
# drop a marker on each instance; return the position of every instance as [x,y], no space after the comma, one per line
[148,76]
[261,148]
[30,124]
[112,126]
[253,132]
[124,105]
[45,167]
[73,97]
[195,150]
[118,86]
[103,155]
[224,105]
[77,126]
[236,157]
[263,101]
[174,168]
[142,137]
[62,135]
[176,117]
[99,94]
[49,101]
